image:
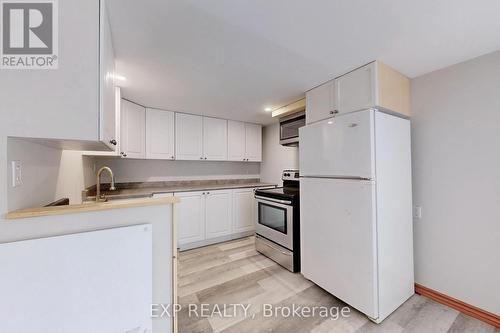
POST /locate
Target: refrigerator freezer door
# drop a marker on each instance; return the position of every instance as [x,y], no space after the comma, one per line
[338,239]
[339,147]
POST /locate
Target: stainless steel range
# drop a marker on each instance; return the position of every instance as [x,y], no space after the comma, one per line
[278,222]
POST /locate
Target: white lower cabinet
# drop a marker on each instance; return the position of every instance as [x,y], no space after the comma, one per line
[190,217]
[243,210]
[218,213]
[209,217]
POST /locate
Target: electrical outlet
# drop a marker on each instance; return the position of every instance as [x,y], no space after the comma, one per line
[417,212]
[17,179]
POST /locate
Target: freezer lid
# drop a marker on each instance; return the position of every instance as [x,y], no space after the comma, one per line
[341,147]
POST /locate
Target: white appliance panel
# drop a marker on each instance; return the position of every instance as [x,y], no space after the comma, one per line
[338,239]
[342,146]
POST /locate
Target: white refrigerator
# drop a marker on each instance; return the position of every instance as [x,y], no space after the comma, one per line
[356,210]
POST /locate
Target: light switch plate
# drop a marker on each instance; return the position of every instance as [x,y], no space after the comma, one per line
[417,212]
[17,179]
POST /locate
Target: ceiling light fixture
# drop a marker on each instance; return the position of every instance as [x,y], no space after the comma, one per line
[268,109]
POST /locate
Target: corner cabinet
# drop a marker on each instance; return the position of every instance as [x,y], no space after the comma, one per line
[244,210]
[244,141]
[190,217]
[374,85]
[160,134]
[133,125]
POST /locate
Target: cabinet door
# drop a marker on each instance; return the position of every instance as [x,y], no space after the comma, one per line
[190,217]
[218,213]
[214,139]
[320,102]
[107,114]
[188,137]
[160,134]
[235,141]
[253,142]
[243,210]
[356,90]
[133,124]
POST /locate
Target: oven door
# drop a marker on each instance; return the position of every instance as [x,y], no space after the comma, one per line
[274,220]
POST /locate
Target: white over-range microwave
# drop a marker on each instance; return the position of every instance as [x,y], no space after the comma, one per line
[289,128]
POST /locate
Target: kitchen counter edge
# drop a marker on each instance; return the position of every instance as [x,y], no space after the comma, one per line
[89,207]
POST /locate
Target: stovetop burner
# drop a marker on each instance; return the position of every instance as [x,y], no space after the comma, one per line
[290,189]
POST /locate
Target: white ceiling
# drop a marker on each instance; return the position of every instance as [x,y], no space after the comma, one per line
[232,58]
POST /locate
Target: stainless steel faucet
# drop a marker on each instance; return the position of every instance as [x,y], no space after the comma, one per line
[98,197]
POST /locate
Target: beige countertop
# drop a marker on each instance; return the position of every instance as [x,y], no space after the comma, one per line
[88,207]
[143,190]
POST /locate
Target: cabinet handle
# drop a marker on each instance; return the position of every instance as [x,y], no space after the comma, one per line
[124,155]
[172,157]
[201,158]
[203,193]
[205,158]
[113,142]
[334,111]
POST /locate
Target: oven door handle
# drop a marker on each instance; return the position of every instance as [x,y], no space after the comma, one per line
[284,202]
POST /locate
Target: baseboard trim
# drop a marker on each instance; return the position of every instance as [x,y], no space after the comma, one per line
[463,307]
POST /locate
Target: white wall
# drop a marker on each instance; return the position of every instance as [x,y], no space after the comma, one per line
[39,171]
[456,164]
[275,157]
[130,170]
[76,173]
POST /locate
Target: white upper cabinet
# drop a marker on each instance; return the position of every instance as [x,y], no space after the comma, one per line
[244,141]
[107,130]
[214,139]
[356,90]
[218,213]
[236,140]
[243,210]
[160,134]
[64,104]
[133,126]
[375,85]
[321,102]
[253,142]
[188,137]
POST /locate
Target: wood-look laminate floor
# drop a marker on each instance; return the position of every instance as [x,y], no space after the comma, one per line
[234,273]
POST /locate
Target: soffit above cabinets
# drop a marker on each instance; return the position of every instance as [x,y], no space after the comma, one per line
[231,59]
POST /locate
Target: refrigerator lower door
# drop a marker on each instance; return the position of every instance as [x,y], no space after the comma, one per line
[339,147]
[338,239]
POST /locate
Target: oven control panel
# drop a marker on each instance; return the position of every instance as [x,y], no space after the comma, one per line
[290,175]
